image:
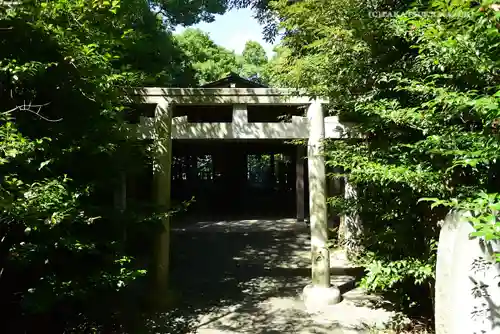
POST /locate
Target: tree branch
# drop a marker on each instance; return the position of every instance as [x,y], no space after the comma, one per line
[34,109]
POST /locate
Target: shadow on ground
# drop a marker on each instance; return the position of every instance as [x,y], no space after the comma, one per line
[240,277]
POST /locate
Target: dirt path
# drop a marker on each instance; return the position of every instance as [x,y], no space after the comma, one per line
[246,276]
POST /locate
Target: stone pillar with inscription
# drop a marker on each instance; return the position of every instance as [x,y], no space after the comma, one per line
[467,293]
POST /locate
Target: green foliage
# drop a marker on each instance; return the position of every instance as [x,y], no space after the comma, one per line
[254,60]
[212,62]
[421,82]
[483,216]
[65,68]
[189,12]
[209,60]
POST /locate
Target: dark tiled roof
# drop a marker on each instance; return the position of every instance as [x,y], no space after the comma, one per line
[233,78]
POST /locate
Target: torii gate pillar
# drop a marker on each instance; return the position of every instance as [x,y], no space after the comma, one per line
[318,294]
[162,173]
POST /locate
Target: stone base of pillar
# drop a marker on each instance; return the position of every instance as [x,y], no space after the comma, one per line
[318,298]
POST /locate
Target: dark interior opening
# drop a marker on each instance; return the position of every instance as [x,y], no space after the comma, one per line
[273,114]
[133,112]
[205,114]
[235,179]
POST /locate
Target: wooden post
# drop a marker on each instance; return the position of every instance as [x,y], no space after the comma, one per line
[299,182]
[120,199]
[272,169]
[353,227]
[335,188]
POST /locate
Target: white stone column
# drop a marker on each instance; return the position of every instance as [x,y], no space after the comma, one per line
[162,171]
[318,294]
[353,227]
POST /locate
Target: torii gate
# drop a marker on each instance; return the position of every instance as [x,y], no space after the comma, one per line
[163,127]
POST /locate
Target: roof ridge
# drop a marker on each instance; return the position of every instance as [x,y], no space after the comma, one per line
[233,77]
